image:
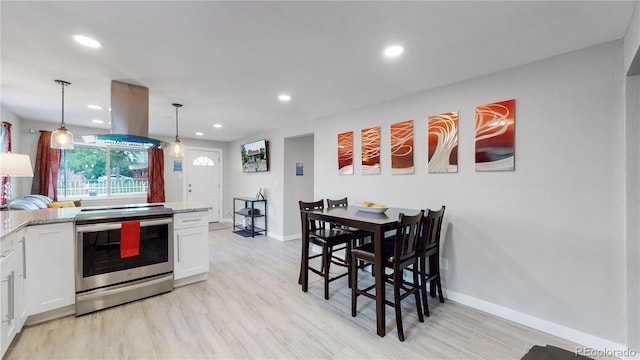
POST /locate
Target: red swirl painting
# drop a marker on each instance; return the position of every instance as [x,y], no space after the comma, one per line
[345,153]
[371,151]
[495,136]
[402,148]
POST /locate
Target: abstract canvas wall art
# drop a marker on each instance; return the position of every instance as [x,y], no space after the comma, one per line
[371,151]
[495,136]
[345,153]
[402,148]
[443,143]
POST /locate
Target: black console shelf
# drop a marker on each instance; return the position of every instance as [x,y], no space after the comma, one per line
[246,211]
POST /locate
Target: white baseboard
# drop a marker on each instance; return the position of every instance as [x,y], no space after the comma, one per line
[548,327]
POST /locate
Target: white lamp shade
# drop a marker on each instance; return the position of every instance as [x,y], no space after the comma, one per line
[15,165]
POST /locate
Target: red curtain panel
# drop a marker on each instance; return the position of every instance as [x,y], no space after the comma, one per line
[45,177]
[156,176]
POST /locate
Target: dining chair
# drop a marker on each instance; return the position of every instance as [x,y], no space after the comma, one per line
[430,254]
[399,255]
[331,240]
[360,236]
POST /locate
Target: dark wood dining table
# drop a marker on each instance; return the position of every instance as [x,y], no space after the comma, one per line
[351,216]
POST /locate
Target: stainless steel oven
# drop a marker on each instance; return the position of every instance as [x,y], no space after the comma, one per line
[103,277]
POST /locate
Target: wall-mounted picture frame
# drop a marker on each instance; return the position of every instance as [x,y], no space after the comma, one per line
[402,148]
[371,151]
[345,153]
[495,136]
[443,143]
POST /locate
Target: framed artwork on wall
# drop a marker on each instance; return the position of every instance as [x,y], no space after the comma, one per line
[402,148]
[371,151]
[345,153]
[443,143]
[495,136]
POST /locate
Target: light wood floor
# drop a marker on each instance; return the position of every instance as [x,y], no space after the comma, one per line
[252,307]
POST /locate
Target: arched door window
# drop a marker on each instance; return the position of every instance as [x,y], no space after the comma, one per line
[203,161]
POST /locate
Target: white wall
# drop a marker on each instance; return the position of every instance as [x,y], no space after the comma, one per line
[632,42]
[632,132]
[544,244]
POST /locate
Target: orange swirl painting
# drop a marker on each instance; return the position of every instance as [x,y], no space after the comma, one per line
[345,153]
[495,136]
[402,148]
[443,143]
[371,151]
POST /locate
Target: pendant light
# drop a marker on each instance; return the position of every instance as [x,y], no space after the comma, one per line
[62,138]
[176,146]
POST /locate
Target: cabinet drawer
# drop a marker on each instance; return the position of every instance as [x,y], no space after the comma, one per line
[189,220]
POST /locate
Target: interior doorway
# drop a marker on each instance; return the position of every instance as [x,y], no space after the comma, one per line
[202,178]
[298,180]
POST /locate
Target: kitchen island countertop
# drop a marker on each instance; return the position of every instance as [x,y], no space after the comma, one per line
[14,220]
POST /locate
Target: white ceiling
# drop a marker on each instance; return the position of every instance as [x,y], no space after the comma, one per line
[226,62]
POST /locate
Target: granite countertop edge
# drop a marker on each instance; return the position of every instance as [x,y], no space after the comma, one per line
[15,220]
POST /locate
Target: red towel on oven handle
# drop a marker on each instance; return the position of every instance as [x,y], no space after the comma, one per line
[130,239]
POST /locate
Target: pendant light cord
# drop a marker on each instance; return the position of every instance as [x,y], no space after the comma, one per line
[177,106]
[63,84]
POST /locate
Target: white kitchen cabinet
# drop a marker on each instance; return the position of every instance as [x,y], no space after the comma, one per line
[190,247]
[8,298]
[21,267]
[50,277]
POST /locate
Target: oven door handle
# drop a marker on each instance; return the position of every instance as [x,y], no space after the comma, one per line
[118,225]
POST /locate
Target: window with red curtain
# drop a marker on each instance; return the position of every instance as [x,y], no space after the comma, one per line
[156,176]
[5,146]
[45,177]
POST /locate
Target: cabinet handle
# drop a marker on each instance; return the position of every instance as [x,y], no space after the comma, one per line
[10,297]
[192,220]
[24,258]
[178,236]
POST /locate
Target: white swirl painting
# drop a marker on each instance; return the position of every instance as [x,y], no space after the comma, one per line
[443,143]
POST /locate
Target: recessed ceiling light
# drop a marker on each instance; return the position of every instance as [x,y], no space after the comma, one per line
[393,51]
[217,125]
[199,133]
[87,41]
[284,97]
[97,121]
[95,107]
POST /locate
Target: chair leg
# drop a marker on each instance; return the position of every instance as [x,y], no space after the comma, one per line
[347,260]
[326,259]
[439,285]
[417,292]
[354,285]
[396,299]
[423,284]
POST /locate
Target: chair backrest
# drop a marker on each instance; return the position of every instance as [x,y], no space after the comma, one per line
[407,236]
[313,225]
[431,226]
[337,203]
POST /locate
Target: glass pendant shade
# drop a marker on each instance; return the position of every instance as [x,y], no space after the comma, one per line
[62,138]
[177,150]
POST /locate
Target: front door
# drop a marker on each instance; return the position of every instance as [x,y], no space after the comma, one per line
[203,179]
